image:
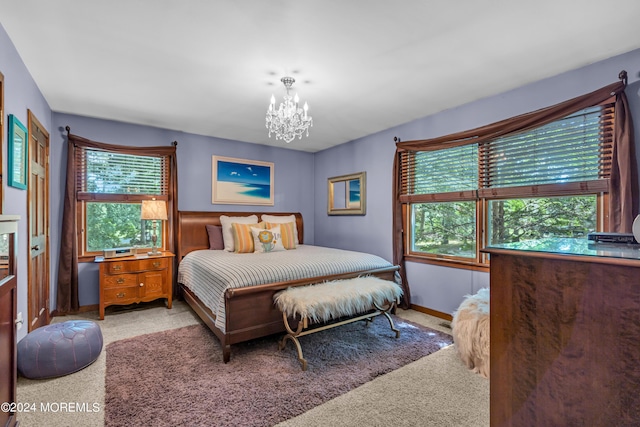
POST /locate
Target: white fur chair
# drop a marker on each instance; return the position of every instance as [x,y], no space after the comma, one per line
[470,327]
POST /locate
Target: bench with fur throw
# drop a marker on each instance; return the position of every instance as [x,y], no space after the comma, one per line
[470,327]
[361,298]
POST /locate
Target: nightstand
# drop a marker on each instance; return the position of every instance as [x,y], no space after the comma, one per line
[135,279]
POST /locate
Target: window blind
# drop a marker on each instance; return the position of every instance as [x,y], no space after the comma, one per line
[576,148]
[571,155]
[453,171]
[107,173]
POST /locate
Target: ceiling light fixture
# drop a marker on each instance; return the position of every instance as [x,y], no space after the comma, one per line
[288,121]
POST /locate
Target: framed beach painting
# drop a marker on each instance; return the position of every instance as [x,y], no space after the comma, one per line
[241,182]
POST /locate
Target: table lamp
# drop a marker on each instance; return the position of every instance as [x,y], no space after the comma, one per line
[154,210]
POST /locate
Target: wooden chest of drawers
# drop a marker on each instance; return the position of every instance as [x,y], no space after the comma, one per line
[565,327]
[130,280]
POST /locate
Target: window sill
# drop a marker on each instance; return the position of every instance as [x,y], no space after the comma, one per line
[465,265]
[92,256]
[88,258]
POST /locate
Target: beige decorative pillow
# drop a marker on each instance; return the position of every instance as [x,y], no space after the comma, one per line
[227,233]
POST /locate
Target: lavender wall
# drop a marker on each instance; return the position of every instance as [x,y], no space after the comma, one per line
[293,170]
[293,176]
[435,287]
[300,178]
[371,232]
[21,93]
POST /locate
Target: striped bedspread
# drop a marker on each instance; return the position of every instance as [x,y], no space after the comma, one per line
[209,273]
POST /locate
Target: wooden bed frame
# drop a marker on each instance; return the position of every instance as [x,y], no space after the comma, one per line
[250,311]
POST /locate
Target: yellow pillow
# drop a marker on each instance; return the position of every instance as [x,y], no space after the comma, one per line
[287,233]
[280,219]
[242,237]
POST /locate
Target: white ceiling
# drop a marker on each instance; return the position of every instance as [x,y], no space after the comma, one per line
[209,67]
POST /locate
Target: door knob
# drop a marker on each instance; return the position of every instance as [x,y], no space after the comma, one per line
[35,248]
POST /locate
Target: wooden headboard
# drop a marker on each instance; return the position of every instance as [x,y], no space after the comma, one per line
[192,230]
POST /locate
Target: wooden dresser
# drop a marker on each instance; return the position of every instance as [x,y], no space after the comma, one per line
[8,314]
[134,279]
[565,334]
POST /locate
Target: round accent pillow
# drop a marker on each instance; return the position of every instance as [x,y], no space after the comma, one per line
[59,349]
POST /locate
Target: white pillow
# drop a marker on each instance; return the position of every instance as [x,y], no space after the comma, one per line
[282,219]
[227,231]
[267,240]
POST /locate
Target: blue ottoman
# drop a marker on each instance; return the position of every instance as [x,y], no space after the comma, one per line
[59,349]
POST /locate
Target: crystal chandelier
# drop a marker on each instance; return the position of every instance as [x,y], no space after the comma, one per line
[288,121]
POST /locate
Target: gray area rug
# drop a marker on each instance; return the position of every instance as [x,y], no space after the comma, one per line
[177,377]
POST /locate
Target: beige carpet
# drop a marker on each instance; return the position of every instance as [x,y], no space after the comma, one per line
[436,390]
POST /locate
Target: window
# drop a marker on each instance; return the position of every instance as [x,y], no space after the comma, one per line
[110,188]
[547,181]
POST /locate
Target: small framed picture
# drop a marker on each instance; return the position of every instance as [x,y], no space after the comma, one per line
[17,153]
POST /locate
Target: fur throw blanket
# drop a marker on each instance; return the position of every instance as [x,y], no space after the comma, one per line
[330,300]
[470,329]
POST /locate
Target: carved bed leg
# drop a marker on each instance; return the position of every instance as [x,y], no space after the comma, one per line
[226,353]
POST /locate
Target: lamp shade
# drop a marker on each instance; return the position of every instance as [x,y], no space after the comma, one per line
[153,209]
